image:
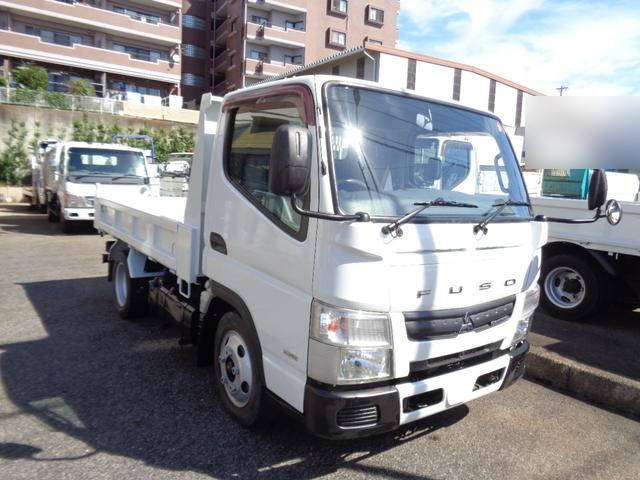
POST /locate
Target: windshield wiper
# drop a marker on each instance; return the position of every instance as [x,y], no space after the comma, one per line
[77,177]
[438,202]
[118,177]
[499,207]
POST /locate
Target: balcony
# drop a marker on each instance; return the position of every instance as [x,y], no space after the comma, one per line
[220,8]
[97,19]
[221,62]
[291,6]
[222,32]
[264,68]
[82,56]
[270,34]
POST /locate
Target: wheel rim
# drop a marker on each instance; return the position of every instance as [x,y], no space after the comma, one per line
[564,287]
[121,284]
[235,368]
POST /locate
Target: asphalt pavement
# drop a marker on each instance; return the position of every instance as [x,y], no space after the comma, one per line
[84,394]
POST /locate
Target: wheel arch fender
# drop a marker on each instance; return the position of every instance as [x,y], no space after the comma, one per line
[215,301]
[597,256]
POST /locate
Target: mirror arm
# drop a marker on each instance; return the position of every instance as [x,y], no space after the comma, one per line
[358,217]
[596,217]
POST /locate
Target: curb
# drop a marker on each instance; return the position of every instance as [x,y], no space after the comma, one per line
[583,381]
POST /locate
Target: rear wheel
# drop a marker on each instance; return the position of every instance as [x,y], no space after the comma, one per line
[573,288]
[238,370]
[131,294]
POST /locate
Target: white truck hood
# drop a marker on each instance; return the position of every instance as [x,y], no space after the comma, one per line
[431,267]
[90,189]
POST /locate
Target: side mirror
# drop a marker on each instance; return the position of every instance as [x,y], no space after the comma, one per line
[613,211]
[290,160]
[597,190]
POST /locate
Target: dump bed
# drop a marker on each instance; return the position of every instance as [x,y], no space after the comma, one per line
[623,238]
[155,226]
[168,230]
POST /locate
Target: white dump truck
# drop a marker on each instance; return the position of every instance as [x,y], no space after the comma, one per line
[72,170]
[587,266]
[330,257]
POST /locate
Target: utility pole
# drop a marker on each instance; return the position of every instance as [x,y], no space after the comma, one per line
[561,89]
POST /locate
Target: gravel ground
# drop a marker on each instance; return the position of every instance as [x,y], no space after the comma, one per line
[84,394]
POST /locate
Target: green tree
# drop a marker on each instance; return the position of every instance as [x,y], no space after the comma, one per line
[14,157]
[3,82]
[81,88]
[31,77]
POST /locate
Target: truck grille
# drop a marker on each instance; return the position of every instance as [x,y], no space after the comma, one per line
[361,416]
[435,324]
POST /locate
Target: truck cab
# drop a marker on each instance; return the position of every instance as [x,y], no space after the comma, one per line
[365,257]
[73,170]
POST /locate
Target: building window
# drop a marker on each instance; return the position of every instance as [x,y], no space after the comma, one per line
[492,95]
[192,80]
[337,39]
[258,55]
[193,51]
[294,59]
[260,20]
[335,70]
[247,162]
[373,41]
[232,61]
[519,108]
[411,74]
[59,38]
[375,15]
[130,87]
[139,53]
[457,78]
[339,6]
[138,15]
[193,22]
[291,25]
[360,68]
[234,26]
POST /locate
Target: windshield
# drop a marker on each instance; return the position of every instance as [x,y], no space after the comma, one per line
[105,161]
[390,151]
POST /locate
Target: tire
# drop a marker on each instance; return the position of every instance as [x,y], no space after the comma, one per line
[130,294]
[572,287]
[239,377]
[51,215]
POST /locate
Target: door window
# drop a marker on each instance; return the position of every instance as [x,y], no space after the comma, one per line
[249,153]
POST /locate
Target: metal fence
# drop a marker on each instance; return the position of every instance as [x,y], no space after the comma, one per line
[58,100]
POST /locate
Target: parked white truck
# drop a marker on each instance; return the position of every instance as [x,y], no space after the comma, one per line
[587,266]
[72,170]
[331,258]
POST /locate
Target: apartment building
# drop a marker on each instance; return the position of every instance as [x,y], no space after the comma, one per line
[255,39]
[128,49]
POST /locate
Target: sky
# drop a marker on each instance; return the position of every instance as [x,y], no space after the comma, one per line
[593,47]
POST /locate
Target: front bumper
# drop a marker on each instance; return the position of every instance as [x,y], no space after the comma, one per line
[343,414]
[73,214]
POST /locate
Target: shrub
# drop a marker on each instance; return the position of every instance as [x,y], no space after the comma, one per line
[3,82]
[32,77]
[57,100]
[81,88]
[23,95]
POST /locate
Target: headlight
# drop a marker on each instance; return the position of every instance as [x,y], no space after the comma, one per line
[73,201]
[531,300]
[357,344]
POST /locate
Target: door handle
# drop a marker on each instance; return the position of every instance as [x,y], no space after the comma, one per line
[218,243]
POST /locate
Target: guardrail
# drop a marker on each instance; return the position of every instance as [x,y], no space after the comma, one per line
[58,100]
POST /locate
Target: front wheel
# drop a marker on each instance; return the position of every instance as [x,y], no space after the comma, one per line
[573,288]
[238,370]
[131,294]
